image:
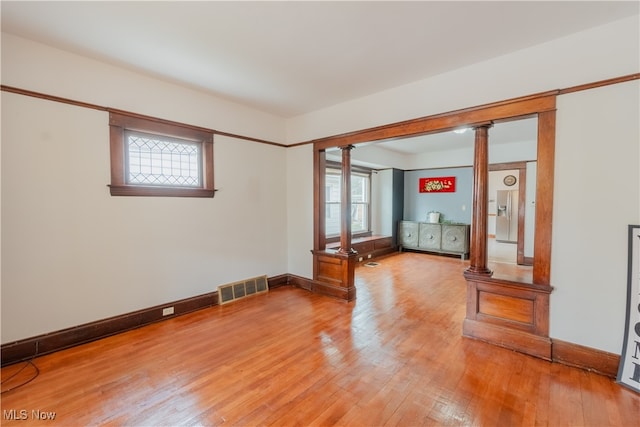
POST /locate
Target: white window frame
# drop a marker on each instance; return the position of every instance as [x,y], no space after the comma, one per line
[336,171]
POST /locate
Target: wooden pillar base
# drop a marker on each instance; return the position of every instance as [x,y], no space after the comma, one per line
[334,273]
[473,271]
[508,314]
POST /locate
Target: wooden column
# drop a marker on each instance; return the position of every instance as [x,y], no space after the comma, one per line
[345,202]
[478,256]
[319,199]
[544,198]
[333,270]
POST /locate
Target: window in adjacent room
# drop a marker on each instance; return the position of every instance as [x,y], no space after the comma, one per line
[151,157]
[360,201]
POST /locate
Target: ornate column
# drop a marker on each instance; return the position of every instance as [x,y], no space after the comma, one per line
[345,202]
[478,257]
[334,270]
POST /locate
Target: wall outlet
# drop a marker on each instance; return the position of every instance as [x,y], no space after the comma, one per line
[167,311]
[359,259]
[369,256]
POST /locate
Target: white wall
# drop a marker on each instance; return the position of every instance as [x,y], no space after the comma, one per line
[300,210]
[597,54]
[382,202]
[39,68]
[596,196]
[74,254]
[71,253]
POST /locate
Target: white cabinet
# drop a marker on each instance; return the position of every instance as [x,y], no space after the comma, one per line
[431,237]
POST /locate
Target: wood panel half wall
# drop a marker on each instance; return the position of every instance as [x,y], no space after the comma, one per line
[509,314]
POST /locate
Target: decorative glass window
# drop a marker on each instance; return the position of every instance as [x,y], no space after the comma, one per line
[151,157]
[155,160]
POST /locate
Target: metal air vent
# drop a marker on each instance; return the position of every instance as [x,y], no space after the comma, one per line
[236,290]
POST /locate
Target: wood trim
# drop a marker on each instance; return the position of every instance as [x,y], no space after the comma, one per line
[322,288]
[120,122]
[249,138]
[480,200]
[299,144]
[140,122]
[28,348]
[561,351]
[564,91]
[354,237]
[334,273]
[544,198]
[319,201]
[141,191]
[53,98]
[370,247]
[509,314]
[68,101]
[278,281]
[472,117]
[586,358]
[543,105]
[59,340]
[522,207]
[354,168]
[600,83]
[507,166]
[512,339]
[345,202]
[445,122]
[301,282]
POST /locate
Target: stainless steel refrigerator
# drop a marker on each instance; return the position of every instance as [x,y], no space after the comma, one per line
[507,216]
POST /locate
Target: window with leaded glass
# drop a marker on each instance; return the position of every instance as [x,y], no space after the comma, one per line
[151,157]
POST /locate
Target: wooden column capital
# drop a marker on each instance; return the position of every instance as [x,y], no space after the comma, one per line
[485,125]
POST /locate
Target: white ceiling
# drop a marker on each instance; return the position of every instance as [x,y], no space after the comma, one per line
[292,57]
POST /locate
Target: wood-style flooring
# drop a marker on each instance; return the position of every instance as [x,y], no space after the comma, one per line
[395,356]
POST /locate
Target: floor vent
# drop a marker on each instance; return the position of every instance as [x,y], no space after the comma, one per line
[244,288]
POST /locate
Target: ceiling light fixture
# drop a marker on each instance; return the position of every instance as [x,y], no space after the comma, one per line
[461,130]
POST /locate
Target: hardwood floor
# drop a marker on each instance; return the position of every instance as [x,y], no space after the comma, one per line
[395,356]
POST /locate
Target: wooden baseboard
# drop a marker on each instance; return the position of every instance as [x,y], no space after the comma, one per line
[322,288]
[587,358]
[521,341]
[28,348]
[561,352]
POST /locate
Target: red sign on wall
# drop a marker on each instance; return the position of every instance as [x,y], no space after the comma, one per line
[443,184]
